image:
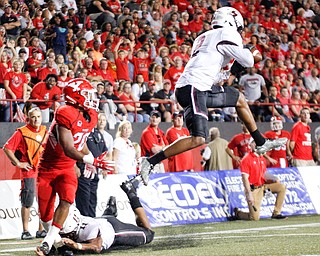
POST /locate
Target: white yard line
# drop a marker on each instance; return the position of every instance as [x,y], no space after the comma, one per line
[243,230]
[202,236]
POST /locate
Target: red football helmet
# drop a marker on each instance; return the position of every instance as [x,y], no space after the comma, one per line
[276,123]
[80,92]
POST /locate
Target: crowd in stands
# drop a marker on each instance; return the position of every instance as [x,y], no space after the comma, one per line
[136,50]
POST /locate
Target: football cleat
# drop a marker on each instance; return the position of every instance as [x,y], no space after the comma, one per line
[26,236]
[279,217]
[145,170]
[111,209]
[130,186]
[270,144]
[44,248]
[41,234]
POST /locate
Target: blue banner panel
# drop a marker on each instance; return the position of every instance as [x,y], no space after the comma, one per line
[297,199]
[198,197]
[184,198]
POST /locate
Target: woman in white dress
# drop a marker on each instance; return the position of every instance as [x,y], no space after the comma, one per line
[124,153]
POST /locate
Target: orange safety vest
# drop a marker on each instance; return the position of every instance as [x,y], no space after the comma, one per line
[34,141]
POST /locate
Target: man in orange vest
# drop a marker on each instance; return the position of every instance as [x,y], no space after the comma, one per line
[24,149]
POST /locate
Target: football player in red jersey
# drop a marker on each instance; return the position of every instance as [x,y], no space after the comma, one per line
[66,145]
[280,155]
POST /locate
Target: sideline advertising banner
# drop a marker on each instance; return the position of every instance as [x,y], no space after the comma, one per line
[189,198]
[179,198]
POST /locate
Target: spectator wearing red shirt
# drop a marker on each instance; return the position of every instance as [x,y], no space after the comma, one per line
[5,64]
[104,72]
[300,141]
[48,69]
[175,72]
[182,5]
[82,19]
[63,77]
[196,24]
[37,19]
[15,84]
[128,101]
[184,22]
[29,141]
[184,161]
[33,65]
[47,91]
[256,180]
[115,6]
[93,74]
[238,147]
[121,58]
[143,61]
[240,6]
[277,53]
[153,139]
[282,154]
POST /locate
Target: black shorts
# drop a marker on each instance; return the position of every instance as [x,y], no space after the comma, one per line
[128,234]
[28,192]
[196,103]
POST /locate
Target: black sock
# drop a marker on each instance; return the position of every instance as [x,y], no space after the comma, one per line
[157,158]
[135,202]
[258,138]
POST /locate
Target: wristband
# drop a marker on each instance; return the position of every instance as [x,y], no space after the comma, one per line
[79,246]
[256,52]
[88,159]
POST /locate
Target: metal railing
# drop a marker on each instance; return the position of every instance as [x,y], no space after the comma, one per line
[262,104]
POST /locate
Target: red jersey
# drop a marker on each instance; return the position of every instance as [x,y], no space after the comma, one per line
[70,117]
[122,69]
[38,23]
[30,62]
[241,143]
[149,138]
[195,25]
[18,143]
[62,83]
[183,161]
[300,134]
[126,99]
[40,91]
[43,72]
[255,166]
[280,153]
[141,66]
[4,70]
[173,75]
[16,82]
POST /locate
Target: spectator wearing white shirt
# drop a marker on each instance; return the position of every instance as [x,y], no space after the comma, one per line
[124,153]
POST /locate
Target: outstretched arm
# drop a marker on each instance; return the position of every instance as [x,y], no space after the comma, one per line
[94,244]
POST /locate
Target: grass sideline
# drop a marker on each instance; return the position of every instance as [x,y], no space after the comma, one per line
[298,235]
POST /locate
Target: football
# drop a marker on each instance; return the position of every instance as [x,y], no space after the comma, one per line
[256,55]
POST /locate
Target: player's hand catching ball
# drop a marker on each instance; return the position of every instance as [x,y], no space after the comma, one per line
[256,55]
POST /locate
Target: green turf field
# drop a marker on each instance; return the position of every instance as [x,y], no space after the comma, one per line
[298,235]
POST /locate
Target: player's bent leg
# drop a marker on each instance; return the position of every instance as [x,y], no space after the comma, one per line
[128,234]
[244,113]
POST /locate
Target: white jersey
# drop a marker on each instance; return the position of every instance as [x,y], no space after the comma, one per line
[81,228]
[212,51]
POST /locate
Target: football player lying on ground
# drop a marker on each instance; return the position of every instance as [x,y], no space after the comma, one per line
[82,233]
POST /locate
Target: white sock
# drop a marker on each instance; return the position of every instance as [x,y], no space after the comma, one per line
[47,225]
[53,233]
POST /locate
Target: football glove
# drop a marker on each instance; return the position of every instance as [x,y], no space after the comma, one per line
[103,163]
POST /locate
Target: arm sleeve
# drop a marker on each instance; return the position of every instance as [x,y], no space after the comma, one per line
[206,153]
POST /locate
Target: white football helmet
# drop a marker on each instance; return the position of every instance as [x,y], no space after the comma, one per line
[228,17]
[276,123]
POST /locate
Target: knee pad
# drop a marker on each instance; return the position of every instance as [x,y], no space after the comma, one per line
[27,198]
